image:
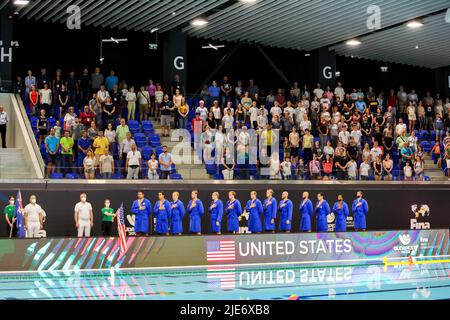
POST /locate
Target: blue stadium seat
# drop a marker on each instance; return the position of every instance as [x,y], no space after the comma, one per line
[218,176]
[147,153]
[176,176]
[117,176]
[51,122]
[158,151]
[211,169]
[155,140]
[133,125]
[147,126]
[71,176]
[140,139]
[56,175]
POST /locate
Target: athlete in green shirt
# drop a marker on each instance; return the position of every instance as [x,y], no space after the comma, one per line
[9,217]
[107,219]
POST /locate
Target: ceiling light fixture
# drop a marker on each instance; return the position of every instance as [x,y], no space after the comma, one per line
[215,47]
[21,2]
[198,22]
[154,30]
[353,42]
[414,24]
[249,1]
[174,13]
[114,40]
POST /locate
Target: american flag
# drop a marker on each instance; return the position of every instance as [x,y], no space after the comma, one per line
[121,230]
[223,250]
[221,277]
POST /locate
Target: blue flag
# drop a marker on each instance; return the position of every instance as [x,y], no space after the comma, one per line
[18,214]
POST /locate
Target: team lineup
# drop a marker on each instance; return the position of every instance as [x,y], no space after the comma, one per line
[169,215]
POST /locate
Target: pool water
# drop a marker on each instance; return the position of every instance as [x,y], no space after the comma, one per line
[354,282]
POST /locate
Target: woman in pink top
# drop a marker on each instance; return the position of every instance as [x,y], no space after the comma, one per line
[151,88]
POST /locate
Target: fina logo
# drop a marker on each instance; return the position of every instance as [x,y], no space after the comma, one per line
[421,213]
[405,239]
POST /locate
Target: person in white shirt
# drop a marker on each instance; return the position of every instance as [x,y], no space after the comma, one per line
[84,218]
[244,138]
[143,98]
[254,112]
[45,99]
[400,127]
[261,119]
[289,109]
[305,124]
[152,168]
[3,122]
[275,110]
[228,121]
[102,94]
[203,111]
[344,136]
[339,91]
[352,169]
[318,92]
[364,170]
[376,151]
[33,218]
[133,163]
[286,168]
[216,113]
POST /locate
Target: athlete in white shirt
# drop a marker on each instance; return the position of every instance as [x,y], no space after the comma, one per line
[33,214]
[84,218]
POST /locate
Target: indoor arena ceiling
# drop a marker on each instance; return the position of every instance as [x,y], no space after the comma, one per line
[295,24]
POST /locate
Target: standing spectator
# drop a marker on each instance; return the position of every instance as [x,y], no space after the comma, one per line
[388,166]
[151,88]
[318,92]
[72,88]
[69,119]
[83,145]
[177,84]
[45,99]
[52,146]
[228,165]
[183,112]
[438,126]
[143,97]
[286,168]
[33,96]
[165,162]
[378,168]
[67,144]
[121,131]
[166,108]
[108,112]
[92,131]
[3,123]
[110,134]
[89,165]
[87,116]
[307,146]
[364,169]
[252,89]
[408,171]
[419,166]
[411,110]
[100,144]
[63,99]
[159,95]
[447,157]
[111,81]
[84,84]
[131,99]
[106,164]
[225,91]
[214,91]
[314,168]
[96,80]
[43,79]
[30,81]
[153,168]
[133,163]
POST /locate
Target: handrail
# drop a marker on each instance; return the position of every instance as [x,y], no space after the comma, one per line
[30,140]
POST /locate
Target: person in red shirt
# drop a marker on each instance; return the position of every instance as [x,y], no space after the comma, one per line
[392,99]
[87,116]
[197,124]
[33,100]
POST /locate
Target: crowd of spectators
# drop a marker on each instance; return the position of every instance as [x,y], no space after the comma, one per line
[322,133]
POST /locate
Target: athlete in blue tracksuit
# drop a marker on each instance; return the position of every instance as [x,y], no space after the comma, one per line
[360,208]
[255,209]
[161,210]
[233,209]
[270,211]
[177,212]
[322,210]
[142,208]
[196,211]
[340,210]
[306,212]
[216,213]
[285,207]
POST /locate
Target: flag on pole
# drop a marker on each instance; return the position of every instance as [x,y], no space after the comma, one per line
[121,230]
[18,214]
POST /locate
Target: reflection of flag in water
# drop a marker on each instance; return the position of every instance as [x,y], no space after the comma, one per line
[221,277]
[18,214]
[121,230]
[223,250]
